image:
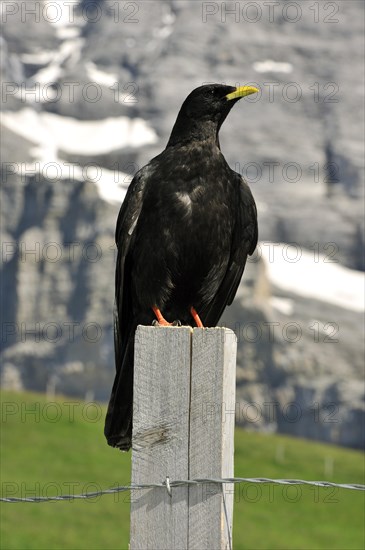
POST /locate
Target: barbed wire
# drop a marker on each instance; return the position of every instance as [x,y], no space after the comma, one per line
[169,485]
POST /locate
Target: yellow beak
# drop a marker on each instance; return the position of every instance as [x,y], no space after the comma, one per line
[242,91]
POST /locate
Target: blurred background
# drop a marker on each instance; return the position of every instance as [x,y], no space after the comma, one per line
[90,92]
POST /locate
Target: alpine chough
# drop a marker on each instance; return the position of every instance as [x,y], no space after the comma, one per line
[184,231]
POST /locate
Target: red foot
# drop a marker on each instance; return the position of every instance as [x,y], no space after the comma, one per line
[196,318]
[160,318]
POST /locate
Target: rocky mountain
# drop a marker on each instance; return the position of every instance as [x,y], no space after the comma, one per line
[90,91]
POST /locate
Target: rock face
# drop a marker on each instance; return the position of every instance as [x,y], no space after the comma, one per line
[298,144]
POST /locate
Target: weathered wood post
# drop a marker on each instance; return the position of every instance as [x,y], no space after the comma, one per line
[184,411]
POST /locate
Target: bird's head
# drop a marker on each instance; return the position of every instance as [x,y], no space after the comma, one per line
[204,111]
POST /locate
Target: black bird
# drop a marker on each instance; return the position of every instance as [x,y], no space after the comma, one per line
[183,234]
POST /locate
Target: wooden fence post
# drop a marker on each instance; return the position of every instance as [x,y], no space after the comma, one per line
[184,410]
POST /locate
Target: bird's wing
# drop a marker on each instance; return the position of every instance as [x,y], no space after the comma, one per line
[244,241]
[124,236]
[118,421]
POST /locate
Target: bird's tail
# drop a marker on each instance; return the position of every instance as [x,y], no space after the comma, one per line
[119,417]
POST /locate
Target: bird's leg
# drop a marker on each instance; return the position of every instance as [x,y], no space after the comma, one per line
[160,318]
[196,317]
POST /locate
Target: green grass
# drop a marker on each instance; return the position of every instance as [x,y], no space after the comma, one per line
[52,449]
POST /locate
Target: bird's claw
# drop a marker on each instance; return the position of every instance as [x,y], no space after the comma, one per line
[176,323]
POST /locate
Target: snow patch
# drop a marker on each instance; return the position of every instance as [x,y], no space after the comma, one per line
[62,16]
[68,33]
[41,57]
[51,133]
[284,305]
[163,32]
[302,273]
[77,136]
[270,66]
[67,26]
[109,80]
[100,77]
[59,13]
[69,51]
[112,186]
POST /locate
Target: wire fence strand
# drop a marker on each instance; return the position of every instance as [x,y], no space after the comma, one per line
[184,483]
